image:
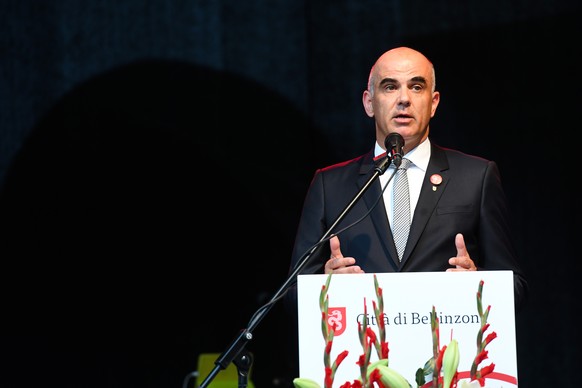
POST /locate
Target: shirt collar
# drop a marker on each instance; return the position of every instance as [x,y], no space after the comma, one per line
[419,155]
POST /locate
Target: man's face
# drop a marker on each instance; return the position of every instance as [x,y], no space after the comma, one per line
[402,99]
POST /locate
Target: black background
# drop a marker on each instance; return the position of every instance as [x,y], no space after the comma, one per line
[154,157]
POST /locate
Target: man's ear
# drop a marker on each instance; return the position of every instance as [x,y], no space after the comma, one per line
[436,97]
[367,102]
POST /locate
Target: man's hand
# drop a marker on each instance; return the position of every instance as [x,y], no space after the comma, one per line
[337,263]
[462,261]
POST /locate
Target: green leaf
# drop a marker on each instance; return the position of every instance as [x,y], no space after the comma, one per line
[304,383]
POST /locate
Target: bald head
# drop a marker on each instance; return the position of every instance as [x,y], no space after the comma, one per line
[399,59]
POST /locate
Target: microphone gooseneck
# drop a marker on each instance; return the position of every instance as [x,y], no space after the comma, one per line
[394,144]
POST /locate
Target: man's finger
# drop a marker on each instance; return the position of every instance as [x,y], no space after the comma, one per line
[334,245]
[460,245]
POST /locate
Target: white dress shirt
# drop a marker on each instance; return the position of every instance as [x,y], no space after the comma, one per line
[419,157]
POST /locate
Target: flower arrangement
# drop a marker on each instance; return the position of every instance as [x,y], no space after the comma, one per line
[441,367]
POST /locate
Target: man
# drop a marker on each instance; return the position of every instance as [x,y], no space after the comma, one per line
[460,218]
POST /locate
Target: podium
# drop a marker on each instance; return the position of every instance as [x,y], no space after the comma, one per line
[409,300]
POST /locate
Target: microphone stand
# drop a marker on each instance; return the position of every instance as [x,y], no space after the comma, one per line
[236,350]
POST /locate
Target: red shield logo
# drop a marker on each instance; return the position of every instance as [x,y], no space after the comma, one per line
[336,318]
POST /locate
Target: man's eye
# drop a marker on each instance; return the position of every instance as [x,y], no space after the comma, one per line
[390,87]
[417,88]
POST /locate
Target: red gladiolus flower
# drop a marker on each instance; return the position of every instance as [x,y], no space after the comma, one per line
[340,357]
[484,372]
[490,337]
[385,350]
[376,377]
[481,356]
[328,378]
[371,335]
[487,369]
[328,347]
[361,360]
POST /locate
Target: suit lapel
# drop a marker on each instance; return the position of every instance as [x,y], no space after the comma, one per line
[378,214]
[429,197]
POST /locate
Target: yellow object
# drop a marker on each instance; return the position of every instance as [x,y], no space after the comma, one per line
[225,378]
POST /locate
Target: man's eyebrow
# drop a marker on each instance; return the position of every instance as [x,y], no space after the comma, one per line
[388,81]
[419,79]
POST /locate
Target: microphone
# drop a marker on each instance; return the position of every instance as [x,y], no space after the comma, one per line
[394,143]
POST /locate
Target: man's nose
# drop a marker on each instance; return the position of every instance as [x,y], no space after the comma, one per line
[404,97]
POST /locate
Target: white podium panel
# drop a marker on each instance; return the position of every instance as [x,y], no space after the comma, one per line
[408,303]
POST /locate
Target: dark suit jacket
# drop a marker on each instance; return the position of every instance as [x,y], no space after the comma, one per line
[470,200]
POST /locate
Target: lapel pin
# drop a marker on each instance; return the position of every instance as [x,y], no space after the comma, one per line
[436,180]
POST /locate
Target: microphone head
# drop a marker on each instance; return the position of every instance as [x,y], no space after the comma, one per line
[394,144]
